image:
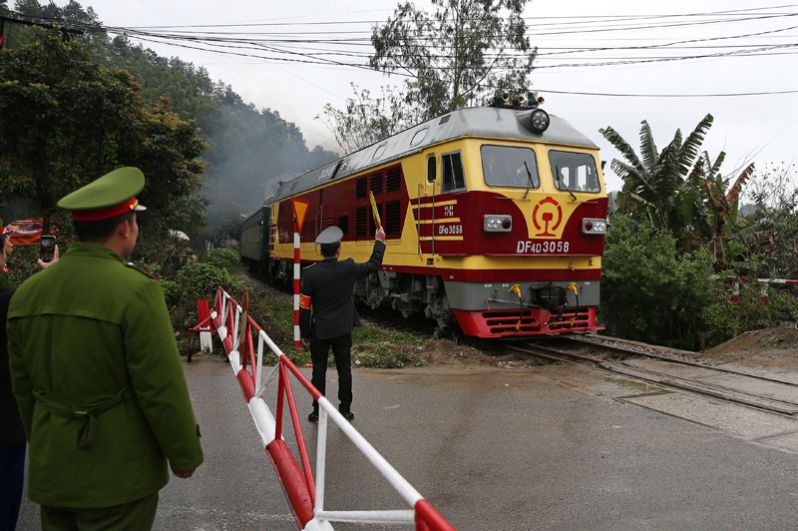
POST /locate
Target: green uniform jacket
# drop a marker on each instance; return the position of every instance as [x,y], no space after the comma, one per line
[82,332]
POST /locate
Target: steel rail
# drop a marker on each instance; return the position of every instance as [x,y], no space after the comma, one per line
[597,341]
[774,405]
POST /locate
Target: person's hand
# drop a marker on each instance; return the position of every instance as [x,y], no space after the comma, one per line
[380,234]
[305,342]
[185,475]
[56,256]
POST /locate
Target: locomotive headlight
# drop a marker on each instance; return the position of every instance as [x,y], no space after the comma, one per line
[594,226]
[539,121]
[498,223]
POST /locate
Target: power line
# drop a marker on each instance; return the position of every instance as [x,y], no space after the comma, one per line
[634,95]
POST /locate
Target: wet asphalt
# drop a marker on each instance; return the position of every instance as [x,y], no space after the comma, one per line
[491,449]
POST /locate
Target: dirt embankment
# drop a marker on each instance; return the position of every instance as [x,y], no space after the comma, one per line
[770,347]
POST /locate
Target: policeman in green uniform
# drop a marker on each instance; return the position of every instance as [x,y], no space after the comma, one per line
[97,375]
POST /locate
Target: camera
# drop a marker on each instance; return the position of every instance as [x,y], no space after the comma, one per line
[47,247]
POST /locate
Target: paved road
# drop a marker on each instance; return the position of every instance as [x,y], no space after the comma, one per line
[492,449]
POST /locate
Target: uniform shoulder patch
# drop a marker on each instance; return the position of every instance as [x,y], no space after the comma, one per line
[144,272]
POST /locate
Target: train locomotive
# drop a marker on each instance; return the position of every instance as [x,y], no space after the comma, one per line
[495,217]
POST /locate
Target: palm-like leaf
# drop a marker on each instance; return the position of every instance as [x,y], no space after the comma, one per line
[718,162]
[623,146]
[734,192]
[689,151]
[648,149]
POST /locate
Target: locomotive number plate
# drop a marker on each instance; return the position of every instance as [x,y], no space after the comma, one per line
[450,230]
[544,247]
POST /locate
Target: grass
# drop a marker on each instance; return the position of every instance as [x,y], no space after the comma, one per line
[372,345]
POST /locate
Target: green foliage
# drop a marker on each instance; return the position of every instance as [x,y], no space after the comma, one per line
[649,292]
[200,280]
[197,280]
[224,257]
[768,234]
[67,120]
[243,148]
[22,263]
[163,256]
[655,183]
[366,120]
[726,318]
[171,292]
[454,51]
[453,54]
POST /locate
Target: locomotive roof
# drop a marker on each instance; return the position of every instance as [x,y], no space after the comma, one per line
[480,122]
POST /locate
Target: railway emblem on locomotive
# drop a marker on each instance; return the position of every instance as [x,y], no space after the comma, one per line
[547,216]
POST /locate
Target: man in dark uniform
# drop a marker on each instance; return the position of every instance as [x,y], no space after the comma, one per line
[96,373]
[327,312]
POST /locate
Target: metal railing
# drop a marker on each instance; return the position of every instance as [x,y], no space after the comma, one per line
[305,493]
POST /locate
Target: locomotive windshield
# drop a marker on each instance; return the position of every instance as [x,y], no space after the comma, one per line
[514,167]
[575,172]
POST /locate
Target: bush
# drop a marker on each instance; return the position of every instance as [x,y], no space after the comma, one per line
[725,319]
[649,292]
[200,280]
[22,263]
[224,257]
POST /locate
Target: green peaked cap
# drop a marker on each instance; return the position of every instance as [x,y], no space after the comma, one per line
[111,189]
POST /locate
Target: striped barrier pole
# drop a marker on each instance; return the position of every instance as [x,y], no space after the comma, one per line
[300,208]
[305,494]
[296,287]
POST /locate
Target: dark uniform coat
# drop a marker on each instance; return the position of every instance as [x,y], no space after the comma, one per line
[99,383]
[11,433]
[327,287]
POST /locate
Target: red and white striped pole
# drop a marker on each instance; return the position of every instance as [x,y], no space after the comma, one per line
[296,284]
[300,208]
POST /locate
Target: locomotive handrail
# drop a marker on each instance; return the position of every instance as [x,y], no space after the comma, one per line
[304,493]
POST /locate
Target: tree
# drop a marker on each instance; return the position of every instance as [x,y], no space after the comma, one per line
[450,57]
[720,201]
[768,241]
[366,120]
[654,182]
[452,54]
[67,120]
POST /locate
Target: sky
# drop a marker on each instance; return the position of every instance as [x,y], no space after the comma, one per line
[760,128]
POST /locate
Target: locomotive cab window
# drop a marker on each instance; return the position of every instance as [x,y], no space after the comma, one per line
[452,170]
[514,167]
[575,172]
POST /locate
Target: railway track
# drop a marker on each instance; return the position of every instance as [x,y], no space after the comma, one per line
[643,363]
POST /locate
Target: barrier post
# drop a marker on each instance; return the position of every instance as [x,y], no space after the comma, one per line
[205,336]
[300,208]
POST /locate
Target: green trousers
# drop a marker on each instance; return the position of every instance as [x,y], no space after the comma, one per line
[134,516]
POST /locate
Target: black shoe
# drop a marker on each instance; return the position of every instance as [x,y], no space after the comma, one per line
[313,417]
[348,415]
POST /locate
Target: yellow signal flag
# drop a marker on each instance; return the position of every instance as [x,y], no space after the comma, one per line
[374,211]
[572,287]
[515,288]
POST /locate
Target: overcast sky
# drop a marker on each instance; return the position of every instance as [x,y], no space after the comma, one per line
[761,127]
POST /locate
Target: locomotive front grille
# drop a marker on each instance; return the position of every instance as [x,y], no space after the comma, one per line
[533,321]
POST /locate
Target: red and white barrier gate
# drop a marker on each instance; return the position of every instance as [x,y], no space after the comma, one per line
[305,495]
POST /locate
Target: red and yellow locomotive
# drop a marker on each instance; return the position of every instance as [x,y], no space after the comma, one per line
[494,216]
